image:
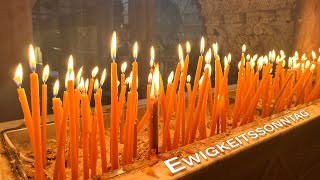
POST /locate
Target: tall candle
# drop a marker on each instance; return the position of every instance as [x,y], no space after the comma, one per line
[85,133]
[44,115]
[114,102]
[194,92]
[149,88]
[181,97]
[103,147]
[35,106]
[77,99]
[56,103]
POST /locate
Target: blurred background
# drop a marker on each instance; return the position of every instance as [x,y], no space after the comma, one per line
[58,28]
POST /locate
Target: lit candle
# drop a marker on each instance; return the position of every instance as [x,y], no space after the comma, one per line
[56,103]
[72,119]
[169,85]
[98,106]
[77,107]
[188,88]
[122,99]
[184,68]
[202,90]
[24,104]
[44,102]
[35,107]
[153,127]
[114,102]
[194,93]
[93,75]
[149,88]
[151,59]
[93,135]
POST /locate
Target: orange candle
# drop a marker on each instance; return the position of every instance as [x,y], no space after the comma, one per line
[194,93]
[59,168]
[35,106]
[56,103]
[166,132]
[93,145]
[149,88]
[103,147]
[181,97]
[127,127]
[72,119]
[24,105]
[93,75]
[121,107]
[114,101]
[199,106]
[202,123]
[44,115]
[85,133]
[77,108]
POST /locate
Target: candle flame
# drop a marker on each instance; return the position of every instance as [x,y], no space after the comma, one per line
[95,85]
[202,45]
[45,73]
[66,80]
[118,83]
[314,56]
[307,65]
[244,48]
[149,78]
[155,83]
[282,54]
[127,80]
[86,86]
[81,84]
[312,67]
[32,59]
[265,60]
[78,77]
[18,75]
[124,67]
[225,62]
[290,62]
[260,63]
[103,76]
[188,47]
[303,57]
[215,50]
[255,57]
[208,56]
[296,65]
[271,70]
[170,78]
[229,58]
[114,46]
[188,79]
[252,63]
[56,88]
[248,57]
[296,54]
[94,72]
[135,51]
[283,63]
[152,56]
[180,51]
[208,66]
[70,63]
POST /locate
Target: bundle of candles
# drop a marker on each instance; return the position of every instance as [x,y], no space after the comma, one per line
[294,82]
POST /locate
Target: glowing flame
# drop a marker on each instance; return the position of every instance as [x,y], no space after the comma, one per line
[188,79]
[78,77]
[296,54]
[127,80]
[312,67]
[265,59]
[135,51]
[118,83]
[202,45]
[248,57]
[124,67]
[260,63]
[45,74]
[95,85]
[56,88]
[94,72]
[170,78]
[103,76]
[290,63]
[32,59]
[282,54]
[208,66]
[86,85]
[215,49]
[188,47]
[229,58]
[81,84]
[155,83]
[239,64]
[283,63]
[150,78]
[225,62]
[180,51]
[114,46]
[208,57]
[303,57]
[151,57]
[255,57]
[243,48]
[314,56]
[307,64]
[252,63]
[70,63]
[66,80]
[18,75]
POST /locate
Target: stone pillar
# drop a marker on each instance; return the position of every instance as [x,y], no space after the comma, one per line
[15,36]
[308,25]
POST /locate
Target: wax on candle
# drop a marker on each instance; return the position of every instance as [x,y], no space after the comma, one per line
[44,99]
[56,103]
[85,133]
[35,107]
[77,99]
[93,145]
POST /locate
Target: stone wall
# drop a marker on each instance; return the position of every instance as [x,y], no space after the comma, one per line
[262,25]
